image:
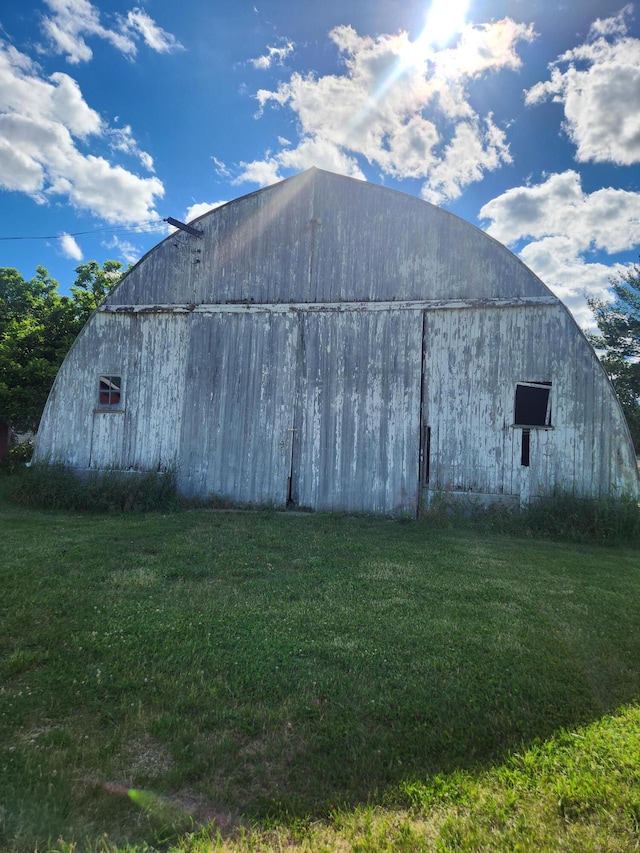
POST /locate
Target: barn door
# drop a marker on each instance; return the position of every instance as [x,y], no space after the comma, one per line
[357,413]
[238,412]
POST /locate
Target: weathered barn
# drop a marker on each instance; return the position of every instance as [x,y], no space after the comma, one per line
[338,345]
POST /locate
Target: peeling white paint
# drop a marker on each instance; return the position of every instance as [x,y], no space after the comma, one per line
[305,346]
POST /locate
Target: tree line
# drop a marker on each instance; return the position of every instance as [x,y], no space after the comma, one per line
[38,326]
[618,344]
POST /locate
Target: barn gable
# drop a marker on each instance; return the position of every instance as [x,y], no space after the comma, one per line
[342,346]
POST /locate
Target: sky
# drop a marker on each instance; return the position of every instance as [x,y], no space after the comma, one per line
[520,116]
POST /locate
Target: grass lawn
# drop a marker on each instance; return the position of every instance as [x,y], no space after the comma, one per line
[250,681]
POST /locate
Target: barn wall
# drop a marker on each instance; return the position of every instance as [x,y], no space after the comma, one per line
[318,408]
[473,361]
[155,393]
[322,406]
[143,433]
[66,432]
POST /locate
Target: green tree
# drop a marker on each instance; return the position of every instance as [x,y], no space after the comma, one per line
[618,340]
[93,284]
[37,328]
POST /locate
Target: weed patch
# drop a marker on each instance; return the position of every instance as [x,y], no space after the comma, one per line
[58,487]
[561,516]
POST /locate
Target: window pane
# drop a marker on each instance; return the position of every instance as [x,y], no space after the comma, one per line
[110,390]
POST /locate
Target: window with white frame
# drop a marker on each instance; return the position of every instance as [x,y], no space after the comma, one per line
[110,391]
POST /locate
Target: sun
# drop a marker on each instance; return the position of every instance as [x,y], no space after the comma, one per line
[445,19]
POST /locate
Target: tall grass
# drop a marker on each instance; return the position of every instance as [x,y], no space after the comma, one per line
[561,516]
[55,486]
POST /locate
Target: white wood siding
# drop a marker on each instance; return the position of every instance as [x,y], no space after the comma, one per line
[473,361]
[281,356]
[358,411]
[238,415]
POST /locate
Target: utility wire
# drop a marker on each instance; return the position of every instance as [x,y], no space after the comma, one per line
[122,229]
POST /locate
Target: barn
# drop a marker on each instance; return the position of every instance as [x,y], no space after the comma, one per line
[333,344]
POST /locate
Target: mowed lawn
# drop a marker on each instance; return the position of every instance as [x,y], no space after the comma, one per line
[258,680]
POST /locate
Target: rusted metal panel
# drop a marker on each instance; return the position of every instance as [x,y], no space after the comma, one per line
[357,417]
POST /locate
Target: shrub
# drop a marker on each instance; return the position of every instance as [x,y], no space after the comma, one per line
[18,456]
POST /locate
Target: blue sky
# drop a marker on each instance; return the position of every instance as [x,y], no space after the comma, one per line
[521,116]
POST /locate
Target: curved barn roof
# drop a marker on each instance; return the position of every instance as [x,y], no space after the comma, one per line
[324,238]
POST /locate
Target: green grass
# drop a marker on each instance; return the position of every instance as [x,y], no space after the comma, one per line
[268,681]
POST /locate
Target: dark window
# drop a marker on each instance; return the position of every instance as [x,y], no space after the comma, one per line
[110,390]
[533,404]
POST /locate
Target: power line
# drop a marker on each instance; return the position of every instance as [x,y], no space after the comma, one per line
[122,229]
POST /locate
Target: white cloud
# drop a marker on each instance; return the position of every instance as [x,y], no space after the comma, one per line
[561,226]
[70,248]
[402,106]
[615,26]
[122,140]
[472,150]
[313,151]
[261,172]
[154,36]
[110,191]
[273,56]
[23,91]
[42,121]
[73,21]
[127,251]
[200,208]
[599,85]
[484,47]
[221,168]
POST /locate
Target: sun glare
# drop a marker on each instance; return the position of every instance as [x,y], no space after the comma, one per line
[445,19]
